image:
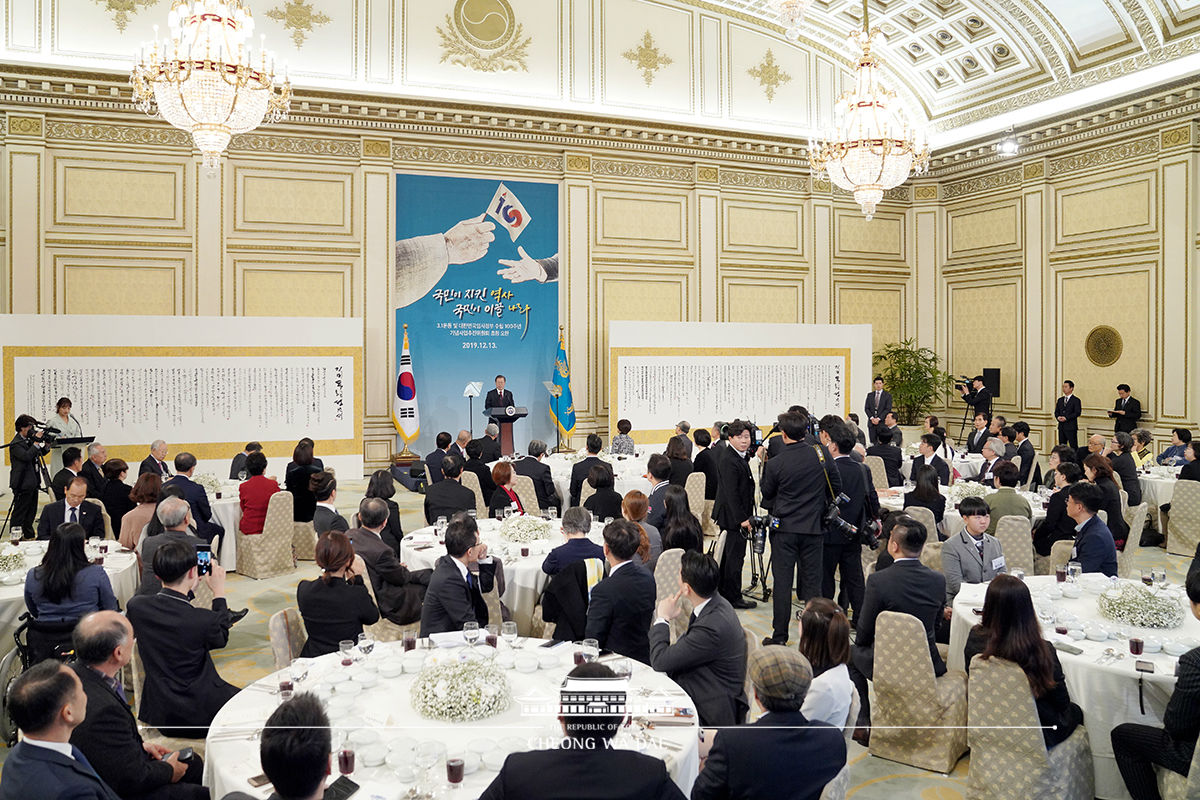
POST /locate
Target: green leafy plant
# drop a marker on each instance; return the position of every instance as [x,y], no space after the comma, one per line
[914,377]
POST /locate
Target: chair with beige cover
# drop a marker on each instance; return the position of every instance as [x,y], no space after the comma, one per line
[108,530]
[285,630]
[1016,541]
[836,788]
[267,554]
[717,549]
[1173,786]
[931,555]
[523,487]
[151,734]
[586,490]
[878,472]
[1008,752]
[667,582]
[852,717]
[1060,553]
[917,718]
[202,595]
[752,644]
[385,630]
[1040,465]
[471,481]
[1016,462]
[1183,525]
[695,493]
[1124,501]
[1136,517]
[304,541]
[924,516]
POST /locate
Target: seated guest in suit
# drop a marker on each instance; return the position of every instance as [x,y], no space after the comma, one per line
[448,497]
[144,496]
[622,444]
[579,471]
[1095,444]
[479,465]
[183,691]
[891,456]
[681,461]
[72,463]
[489,444]
[907,586]
[682,428]
[1124,466]
[296,477]
[325,516]
[993,455]
[238,465]
[926,493]
[336,605]
[532,467]
[1009,629]
[382,486]
[65,586]
[1008,436]
[115,496]
[978,437]
[156,462]
[592,767]
[1173,456]
[433,461]
[455,595]
[93,469]
[1005,502]
[1025,450]
[709,660]
[604,503]
[47,702]
[658,472]
[108,737]
[706,462]
[680,527]
[1098,470]
[973,555]
[576,524]
[622,604]
[206,529]
[254,494]
[310,446]
[72,508]
[928,445]
[889,423]
[398,590]
[505,495]
[1094,547]
[1060,454]
[825,642]
[634,507]
[1137,748]
[295,750]
[174,518]
[1057,526]
[759,759]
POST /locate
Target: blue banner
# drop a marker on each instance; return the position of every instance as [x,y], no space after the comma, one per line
[477,285]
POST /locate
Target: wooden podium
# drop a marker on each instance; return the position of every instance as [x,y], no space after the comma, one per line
[505,417]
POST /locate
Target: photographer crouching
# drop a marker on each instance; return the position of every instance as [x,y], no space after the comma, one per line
[856,522]
[797,484]
[24,477]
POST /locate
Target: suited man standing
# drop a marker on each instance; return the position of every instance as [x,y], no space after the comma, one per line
[93,469]
[1126,411]
[843,554]
[24,450]
[709,660]
[733,508]
[1026,452]
[979,397]
[72,459]
[47,702]
[622,604]
[794,490]
[499,397]
[455,594]
[1067,410]
[532,467]
[448,497]
[398,591]
[579,472]
[185,466]
[433,461]
[72,508]
[681,433]
[879,403]
[658,472]
[156,462]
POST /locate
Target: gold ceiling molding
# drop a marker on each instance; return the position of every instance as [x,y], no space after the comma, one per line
[1177,137]
[707,174]
[769,74]
[763,180]
[1113,154]
[643,170]
[898,193]
[647,58]
[476,158]
[160,135]
[578,163]
[983,183]
[295,145]
[121,9]
[484,35]
[299,17]
[377,148]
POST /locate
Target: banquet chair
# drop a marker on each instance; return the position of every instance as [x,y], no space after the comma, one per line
[268,554]
[202,595]
[752,644]
[717,549]
[708,526]
[1016,542]
[108,531]
[917,718]
[492,598]
[1183,526]
[878,472]
[667,582]
[1173,786]
[1103,515]
[1016,462]
[1040,465]
[925,517]
[285,631]
[586,490]
[1060,553]
[931,555]
[384,630]
[869,557]
[1137,520]
[836,788]
[304,541]
[695,493]
[151,734]
[1008,752]
[852,717]
[471,481]
[523,486]
[1125,502]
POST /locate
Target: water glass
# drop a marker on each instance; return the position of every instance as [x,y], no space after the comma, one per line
[591,650]
[15,534]
[366,643]
[508,512]
[553,512]
[1074,570]
[508,632]
[472,513]
[242,475]
[622,668]
[471,632]
[299,669]
[346,648]
[1159,574]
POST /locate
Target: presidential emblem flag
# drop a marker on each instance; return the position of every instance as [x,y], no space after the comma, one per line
[405,415]
[507,210]
[564,416]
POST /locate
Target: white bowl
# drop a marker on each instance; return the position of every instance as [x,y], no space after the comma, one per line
[367,679]
[1096,633]
[471,763]
[391,669]
[506,659]
[526,662]
[364,736]
[1077,634]
[1151,644]
[1173,648]
[339,705]
[373,755]
[549,660]
[403,744]
[1071,592]
[413,661]
[348,688]
[481,746]
[14,579]
[494,759]
[405,773]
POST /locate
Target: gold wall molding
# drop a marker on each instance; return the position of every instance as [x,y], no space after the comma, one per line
[1034,170]
[1177,137]
[578,163]
[294,145]
[297,16]
[769,74]
[744,179]
[677,173]
[377,148]
[647,58]
[496,43]
[422,154]
[925,192]
[151,135]
[707,174]
[24,126]
[1103,156]
[983,183]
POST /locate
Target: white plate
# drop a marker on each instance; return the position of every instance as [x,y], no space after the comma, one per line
[367,679]
[1096,634]
[549,661]
[1077,634]
[348,688]
[391,669]
[1152,644]
[526,662]
[14,579]
[373,755]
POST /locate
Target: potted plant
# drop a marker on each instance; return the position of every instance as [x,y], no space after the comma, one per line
[913,377]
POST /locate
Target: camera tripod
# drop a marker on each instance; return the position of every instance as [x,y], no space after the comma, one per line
[43,480]
[760,568]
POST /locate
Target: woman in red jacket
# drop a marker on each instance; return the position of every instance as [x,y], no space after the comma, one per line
[255,493]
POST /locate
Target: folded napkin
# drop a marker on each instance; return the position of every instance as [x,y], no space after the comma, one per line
[448,639]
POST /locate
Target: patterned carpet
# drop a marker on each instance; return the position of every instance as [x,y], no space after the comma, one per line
[248,657]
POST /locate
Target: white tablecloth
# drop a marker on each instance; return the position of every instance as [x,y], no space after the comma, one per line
[227,512]
[1157,490]
[232,758]
[967,464]
[627,473]
[952,521]
[524,579]
[1107,693]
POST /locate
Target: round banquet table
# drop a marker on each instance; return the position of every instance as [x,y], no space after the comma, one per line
[627,472]
[967,464]
[227,512]
[1107,693]
[1158,486]
[524,580]
[952,521]
[530,721]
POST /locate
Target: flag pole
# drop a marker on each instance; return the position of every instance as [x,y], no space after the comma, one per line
[405,456]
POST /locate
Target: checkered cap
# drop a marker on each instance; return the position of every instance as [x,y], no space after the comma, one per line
[779,672]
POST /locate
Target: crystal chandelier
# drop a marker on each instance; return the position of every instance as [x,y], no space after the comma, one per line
[872,149]
[204,78]
[790,13]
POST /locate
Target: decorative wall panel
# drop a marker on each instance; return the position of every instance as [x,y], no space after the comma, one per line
[91,286]
[763,227]
[109,193]
[983,229]
[881,237]
[658,221]
[311,201]
[882,309]
[987,334]
[278,289]
[1101,209]
[628,297]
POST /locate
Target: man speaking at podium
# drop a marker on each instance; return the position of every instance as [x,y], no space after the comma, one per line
[498,397]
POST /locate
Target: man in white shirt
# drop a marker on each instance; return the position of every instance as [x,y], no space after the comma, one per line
[928,445]
[979,436]
[993,451]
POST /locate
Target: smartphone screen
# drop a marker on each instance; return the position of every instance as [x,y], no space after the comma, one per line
[204,558]
[340,789]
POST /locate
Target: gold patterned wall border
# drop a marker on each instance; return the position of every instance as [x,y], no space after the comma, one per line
[1177,137]
[489,159]
[1103,156]
[152,135]
[484,35]
[707,174]
[1034,170]
[769,74]
[299,17]
[983,183]
[643,170]
[743,179]
[377,148]
[1103,345]
[899,194]
[295,145]
[121,9]
[925,192]
[576,162]
[24,126]
[647,58]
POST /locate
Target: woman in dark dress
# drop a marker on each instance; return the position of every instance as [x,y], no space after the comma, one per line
[1099,471]
[505,495]
[337,605]
[926,493]
[680,527]
[304,502]
[383,486]
[605,503]
[1057,526]
[1124,468]
[115,494]
[681,461]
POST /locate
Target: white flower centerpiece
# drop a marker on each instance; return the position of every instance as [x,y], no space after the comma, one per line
[963,489]
[210,482]
[11,558]
[462,688]
[523,528]
[1136,605]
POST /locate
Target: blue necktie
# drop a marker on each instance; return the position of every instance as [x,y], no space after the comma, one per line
[470,582]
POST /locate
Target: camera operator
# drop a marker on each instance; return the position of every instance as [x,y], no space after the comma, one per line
[978,396]
[733,508]
[24,479]
[860,508]
[795,491]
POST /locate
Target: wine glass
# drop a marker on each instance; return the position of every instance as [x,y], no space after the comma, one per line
[299,669]
[15,534]
[553,512]
[472,513]
[471,632]
[508,632]
[346,648]
[429,754]
[508,512]
[242,474]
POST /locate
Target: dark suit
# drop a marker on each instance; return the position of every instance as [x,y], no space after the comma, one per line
[491,449]
[980,401]
[450,603]
[155,467]
[621,609]
[680,469]
[150,583]
[484,473]
[843,554]
[1124,468]
[1094,548]
[34,773]
[183,691]
[333,612]
[761,759]
[602,773]
[495,399]
[236,466]
[877,409]
[976,440]
[543,483]
[579,474]
[706,462]
[1068,430]
[326,520]
[1056,527]
[95,478]
[24,480]
[109,738]
[708,662]
[985,472]
[197,498]
[938,463]
[304,502]
[1112,507]
[1028,458]
[397,590]
[892,458]
[433,465]
[60,481]
[908,587]
[446,498]
[56,514]
[733,506]
[656,505]
[117,503]
[1133,412]
[604,503]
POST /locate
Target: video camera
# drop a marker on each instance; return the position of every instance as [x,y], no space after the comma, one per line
[868,534]
[759,528]
[962,382]
[45,433]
